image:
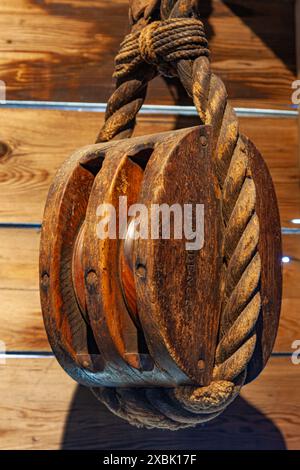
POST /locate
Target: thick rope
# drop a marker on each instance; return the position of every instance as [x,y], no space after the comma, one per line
[126,101]
[162,42]
[187,55]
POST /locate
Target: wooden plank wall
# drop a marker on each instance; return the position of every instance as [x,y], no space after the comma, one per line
[63,50]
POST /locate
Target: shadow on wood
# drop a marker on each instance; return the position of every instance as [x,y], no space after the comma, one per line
[91,426]
[263,18]
[248,42]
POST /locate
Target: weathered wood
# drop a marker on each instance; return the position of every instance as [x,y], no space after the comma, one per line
[176,287]
[170,161]
[267,416]
[115,331]
[35,144]
[63,218]
[181,336]
[41,61]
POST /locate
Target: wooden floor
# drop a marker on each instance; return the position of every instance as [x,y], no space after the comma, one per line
[63,50]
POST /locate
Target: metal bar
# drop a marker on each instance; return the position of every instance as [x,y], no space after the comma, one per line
[146,109]
[271,113]
[47,355]
[38,226]
[26,355]
[290,231]
[16,225]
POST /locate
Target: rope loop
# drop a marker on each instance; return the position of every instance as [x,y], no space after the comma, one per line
[161,43]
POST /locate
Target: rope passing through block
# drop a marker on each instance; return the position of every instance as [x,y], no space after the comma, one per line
[164,337]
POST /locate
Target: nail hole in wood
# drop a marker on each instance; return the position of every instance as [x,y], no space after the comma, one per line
[141,271]
[91,278]
[203,141]
[45,280]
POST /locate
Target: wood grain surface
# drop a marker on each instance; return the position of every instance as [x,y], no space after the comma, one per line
[42,408]
[63,49]
[33,145]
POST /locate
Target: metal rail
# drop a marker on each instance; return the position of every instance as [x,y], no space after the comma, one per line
[38,226]
[146,109]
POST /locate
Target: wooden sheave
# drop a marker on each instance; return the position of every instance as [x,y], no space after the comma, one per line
[165,336]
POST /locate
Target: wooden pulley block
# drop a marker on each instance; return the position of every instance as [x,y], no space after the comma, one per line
[160,261]
[122,311]
[127,310]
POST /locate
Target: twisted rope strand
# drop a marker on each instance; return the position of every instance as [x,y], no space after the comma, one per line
[161,42]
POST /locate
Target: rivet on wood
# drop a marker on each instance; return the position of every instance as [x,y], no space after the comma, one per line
[91,278]
[203,140]
[141,271]
[45,280]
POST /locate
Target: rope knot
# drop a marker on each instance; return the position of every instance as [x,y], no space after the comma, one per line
[146,43]
[161,44]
